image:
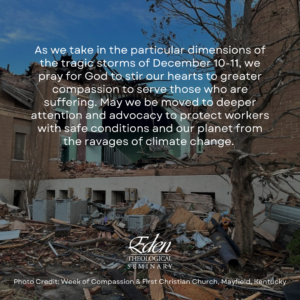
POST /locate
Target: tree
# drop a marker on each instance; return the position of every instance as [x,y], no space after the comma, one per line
[270,23]
[32,171]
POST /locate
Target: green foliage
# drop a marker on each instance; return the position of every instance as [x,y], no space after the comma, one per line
[294,259]
[294,248]
[294,245]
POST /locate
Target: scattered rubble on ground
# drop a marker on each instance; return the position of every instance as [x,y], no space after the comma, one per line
[205,262]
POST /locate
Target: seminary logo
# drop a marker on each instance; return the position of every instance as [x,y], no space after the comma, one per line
[151,247]
[149,255]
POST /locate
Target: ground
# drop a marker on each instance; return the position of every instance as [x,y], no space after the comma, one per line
[62,291]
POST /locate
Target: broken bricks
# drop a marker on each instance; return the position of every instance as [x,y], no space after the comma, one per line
[95,290]
[49,286]
[29,286]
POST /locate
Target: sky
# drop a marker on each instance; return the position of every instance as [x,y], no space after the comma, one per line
[25,25]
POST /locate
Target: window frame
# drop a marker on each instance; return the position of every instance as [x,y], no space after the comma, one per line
[16,157]
[200,147]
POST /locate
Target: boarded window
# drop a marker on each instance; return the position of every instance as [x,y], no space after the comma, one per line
[20,146]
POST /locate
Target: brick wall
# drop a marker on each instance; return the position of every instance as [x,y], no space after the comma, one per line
[6,133]
[15,117]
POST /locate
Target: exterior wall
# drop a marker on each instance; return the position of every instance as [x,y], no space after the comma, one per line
[15,117]
[6,133]
[150,186]
[153,188]
[7,188]
[21,126]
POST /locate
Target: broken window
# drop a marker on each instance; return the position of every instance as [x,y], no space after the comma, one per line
[20,140]
[62,121]
[201,136]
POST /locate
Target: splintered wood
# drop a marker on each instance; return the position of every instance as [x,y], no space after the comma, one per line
[119,230]
[200,203]
[253,297]
[272,253]
[181,215]
[3,210]
[156,289]
[87,294]
[264,233]
[66,223]
[143,210]
[189,290]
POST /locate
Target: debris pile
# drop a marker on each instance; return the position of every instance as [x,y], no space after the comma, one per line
[127,241]
[78,168]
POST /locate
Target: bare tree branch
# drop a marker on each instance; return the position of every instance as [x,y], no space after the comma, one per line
[33,170]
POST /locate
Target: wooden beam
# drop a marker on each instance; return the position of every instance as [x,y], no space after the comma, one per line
[253,297]
[87,294]
[97,240]
[66,223]
[156,289]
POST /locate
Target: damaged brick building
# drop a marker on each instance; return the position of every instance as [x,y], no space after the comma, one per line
[21,95]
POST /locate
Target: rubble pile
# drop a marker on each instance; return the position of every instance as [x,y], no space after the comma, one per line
[18,81]
[126,241]
[77,168]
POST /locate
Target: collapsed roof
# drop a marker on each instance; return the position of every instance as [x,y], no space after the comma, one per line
[19,87]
